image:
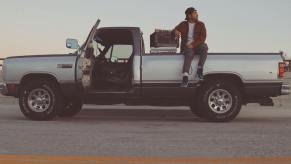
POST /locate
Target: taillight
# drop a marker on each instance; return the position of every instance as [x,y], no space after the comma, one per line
[281,69]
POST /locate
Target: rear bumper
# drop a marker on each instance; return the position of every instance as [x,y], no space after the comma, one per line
[262,92]
[285,89]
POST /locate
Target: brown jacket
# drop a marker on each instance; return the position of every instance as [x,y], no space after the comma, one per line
[199,33]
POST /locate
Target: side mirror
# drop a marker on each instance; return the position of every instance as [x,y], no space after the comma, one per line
[72,44]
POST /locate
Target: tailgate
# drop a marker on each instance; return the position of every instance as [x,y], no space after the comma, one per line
[1,77]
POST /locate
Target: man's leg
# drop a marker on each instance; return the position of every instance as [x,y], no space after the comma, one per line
[188,54]
[201,50]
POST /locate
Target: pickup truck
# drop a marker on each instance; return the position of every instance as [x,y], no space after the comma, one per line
[111,67]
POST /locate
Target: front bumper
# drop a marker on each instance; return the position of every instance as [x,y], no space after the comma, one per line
[285,89]
[9,89]
[3,89]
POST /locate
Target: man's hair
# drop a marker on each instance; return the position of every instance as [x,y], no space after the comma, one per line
[189,11]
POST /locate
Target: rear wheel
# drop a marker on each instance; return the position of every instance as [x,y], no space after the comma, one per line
[40,100]
[220,101]
[72,108]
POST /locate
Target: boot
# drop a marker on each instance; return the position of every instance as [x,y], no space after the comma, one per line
[185,82]
[200,73]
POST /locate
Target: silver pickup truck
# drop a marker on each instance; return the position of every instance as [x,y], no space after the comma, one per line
[111,67]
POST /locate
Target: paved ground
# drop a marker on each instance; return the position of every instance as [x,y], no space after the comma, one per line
[120,134]
[145,132]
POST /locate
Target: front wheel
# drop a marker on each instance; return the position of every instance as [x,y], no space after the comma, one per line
[40,100]
[220,101]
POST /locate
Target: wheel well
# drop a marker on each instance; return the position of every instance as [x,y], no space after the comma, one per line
[235,79]
[31,77]
[28,77]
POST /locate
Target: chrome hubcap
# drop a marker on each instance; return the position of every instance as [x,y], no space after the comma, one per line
[39,100]
[220,101]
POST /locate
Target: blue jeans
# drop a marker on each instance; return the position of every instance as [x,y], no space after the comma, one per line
[189,54]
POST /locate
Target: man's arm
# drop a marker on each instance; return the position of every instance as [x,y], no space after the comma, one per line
[177,30]
[201,36]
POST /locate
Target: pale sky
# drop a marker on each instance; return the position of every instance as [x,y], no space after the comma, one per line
[41,27]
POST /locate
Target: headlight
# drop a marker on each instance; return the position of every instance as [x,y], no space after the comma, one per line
[3,70]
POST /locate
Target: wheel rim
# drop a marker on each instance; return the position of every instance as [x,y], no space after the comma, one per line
[39,100]
[220,101]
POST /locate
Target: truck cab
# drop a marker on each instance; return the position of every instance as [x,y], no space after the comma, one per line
[115,63]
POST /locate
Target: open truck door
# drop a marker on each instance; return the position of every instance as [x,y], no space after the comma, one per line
[87,58]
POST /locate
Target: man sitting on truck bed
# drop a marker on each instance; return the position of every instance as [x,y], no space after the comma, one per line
[193,34]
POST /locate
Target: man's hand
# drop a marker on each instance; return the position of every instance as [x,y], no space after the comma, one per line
[177,33]
[189,46]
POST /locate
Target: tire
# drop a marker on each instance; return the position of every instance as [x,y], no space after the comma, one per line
[40,100]
[220,100]
[72,108]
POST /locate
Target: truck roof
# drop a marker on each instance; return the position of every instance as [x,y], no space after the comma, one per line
[129,28]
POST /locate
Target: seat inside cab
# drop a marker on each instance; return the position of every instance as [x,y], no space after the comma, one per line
[113,51]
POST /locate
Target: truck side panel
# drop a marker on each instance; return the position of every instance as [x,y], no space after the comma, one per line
[61,67]
[249,67]
[257,72]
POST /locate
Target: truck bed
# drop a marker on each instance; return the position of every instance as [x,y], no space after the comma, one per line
[250,67]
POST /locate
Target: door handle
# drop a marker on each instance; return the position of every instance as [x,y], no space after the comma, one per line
[65,66]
